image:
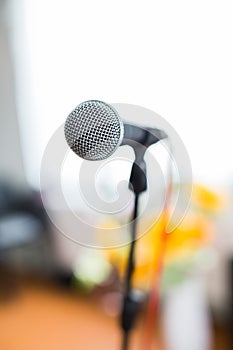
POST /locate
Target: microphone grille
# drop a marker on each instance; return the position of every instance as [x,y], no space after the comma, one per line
[94,130]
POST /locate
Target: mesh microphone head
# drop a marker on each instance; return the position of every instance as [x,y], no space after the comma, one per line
[94,130]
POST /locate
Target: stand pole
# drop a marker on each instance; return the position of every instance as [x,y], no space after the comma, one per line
[129,305]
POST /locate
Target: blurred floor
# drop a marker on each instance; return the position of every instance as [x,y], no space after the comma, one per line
[43,318]
[54,319]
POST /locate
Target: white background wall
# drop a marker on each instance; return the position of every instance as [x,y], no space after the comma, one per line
[11,162]
[174,57]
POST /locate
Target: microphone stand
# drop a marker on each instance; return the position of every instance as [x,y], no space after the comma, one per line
[131,304]
[139,141]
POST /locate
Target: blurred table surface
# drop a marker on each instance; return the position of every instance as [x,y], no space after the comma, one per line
[41,318]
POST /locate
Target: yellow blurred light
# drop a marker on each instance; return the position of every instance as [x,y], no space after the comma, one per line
[207,200]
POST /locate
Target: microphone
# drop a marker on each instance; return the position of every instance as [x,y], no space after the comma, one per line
[94,131]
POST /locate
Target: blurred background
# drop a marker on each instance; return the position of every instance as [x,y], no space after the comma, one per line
[174,58]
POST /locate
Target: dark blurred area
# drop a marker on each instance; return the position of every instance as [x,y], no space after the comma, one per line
[55,294]
[24,237]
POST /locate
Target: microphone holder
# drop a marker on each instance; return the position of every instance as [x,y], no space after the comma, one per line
[131,304]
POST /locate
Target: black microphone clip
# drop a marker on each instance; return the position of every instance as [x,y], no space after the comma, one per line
[140,139]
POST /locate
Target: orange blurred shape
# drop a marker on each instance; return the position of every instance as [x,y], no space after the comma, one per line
[194,232]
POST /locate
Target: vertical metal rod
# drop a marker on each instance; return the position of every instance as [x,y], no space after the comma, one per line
[129,274]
